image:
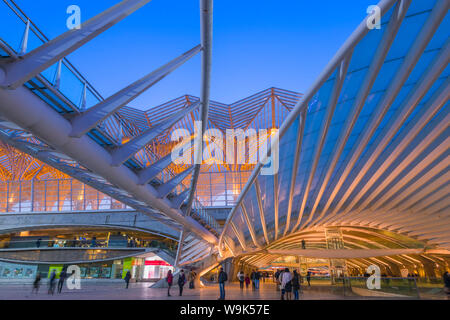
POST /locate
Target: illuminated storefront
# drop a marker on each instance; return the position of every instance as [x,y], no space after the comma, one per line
[155,268]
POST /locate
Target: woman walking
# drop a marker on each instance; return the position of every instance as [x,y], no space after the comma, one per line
[169,280]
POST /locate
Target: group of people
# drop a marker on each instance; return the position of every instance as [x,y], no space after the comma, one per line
[181,281]
[222,279]
[254,278]
[51,283]
[289,283]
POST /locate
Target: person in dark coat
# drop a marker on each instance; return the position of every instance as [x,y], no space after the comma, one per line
[253,278]
[223,277]
[51,283]
[181,281]
[94,242]
[127,278]
[62,278]
[446,278]
[191,278]
[36,283]
[296,284]
[257,279]
[308,278]
[277,279]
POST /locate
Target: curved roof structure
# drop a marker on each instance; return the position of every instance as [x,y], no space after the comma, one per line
[367,149]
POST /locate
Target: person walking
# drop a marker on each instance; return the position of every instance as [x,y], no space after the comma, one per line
[241,278]
[169,280]
[446,278]
[62,278]
[38,243]
[181,281]
[253,278]
[191,278]
[257,279]
[127,278]
[277,280]
[296,284]
[247,281]
[308,278]
[223,277]
[280,277]
[51,283]
[286,284]
[94,242]
[36,283]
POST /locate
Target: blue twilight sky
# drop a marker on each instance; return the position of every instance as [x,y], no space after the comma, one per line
[257,44]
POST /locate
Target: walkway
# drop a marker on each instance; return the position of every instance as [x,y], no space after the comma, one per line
[141,291]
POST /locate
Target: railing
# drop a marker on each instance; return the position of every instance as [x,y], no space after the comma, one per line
[200,211]
[85,243]
[392,287]
[71,82]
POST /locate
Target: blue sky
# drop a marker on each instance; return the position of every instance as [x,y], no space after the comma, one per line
[257,44]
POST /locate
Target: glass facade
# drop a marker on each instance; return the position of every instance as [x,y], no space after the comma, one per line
[53,196]
[360,146]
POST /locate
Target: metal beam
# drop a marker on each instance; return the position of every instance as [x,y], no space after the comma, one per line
[149,173]
[432,107]
[22,70]
[439,150]
[88,120]
[407,107]
[180,199]
[206,12]
[438,170]
[298,149]
[180,247]
[239,236]
[261,210]
[125,152]
[167,187]
[361,98]
[250,226]
[341,74]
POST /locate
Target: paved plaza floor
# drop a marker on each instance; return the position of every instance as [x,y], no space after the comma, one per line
[141,291]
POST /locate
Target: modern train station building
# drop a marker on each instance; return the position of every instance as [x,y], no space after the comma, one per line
[348,177]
